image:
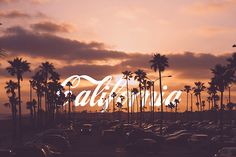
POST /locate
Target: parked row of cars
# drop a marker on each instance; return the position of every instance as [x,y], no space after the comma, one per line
[49,143]
[197,135]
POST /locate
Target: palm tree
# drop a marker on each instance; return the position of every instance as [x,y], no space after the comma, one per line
[149,87]
[46,70]
[232,67]
[209,98]
[199,87]
[203,105]
[222,78]
[176,105]
[69,84]
[31,105]
[127,75]
[37,85]
[187,88]
[17,68]
[134,91]
[113,95]
[54,86]
[140,75]
[171,106]
[10,87]
[212,91]
[159,63]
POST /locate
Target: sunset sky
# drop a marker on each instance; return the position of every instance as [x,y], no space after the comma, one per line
[105,37]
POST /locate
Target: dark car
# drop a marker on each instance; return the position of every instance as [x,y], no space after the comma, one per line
[33,150]
[86,129]
[60,143]
[199,141]
[140,133]
[109,137]
[178,139]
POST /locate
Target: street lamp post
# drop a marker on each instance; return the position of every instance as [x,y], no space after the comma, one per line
[153,84]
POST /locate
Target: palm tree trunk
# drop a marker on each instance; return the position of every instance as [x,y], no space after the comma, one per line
[162,114]
[69,109]
[197,103]
[187,103]
[127,90]
[113,108]
[136,107]
[153,104]
[131,101]
[200,102]
[141,107]
[191,102]
[19,96]
[221,111]
[150,101]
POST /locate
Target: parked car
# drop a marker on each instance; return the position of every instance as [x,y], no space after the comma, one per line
[33,150]
[199,141]
[226,152]
[178,139]
[59,142]
[86,129]
[109,136]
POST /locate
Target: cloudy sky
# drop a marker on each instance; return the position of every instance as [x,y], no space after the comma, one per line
[106,37]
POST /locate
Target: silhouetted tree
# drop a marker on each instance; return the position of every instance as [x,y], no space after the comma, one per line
[17,68]
[134,91]
[199,87]
[127,75]
[159,63]
[140,75]
[222,78]
[212,91]
[113,95]
[10,87]
[187,89]
[69,84]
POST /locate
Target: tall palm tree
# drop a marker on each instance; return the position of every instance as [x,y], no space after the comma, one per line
[199,87]
[149,87]
[37,85]
[222,78]
[140,75]
[69,84]
[209,98]
[127,75]
[203,105]
[31,105]
[17,68]
[232,67]
[171,106]
[113,95]
[10,87]
[160,63]
[46,70]
[176,105]
[212,91]
[187,89]
[144,88]
[134,91]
